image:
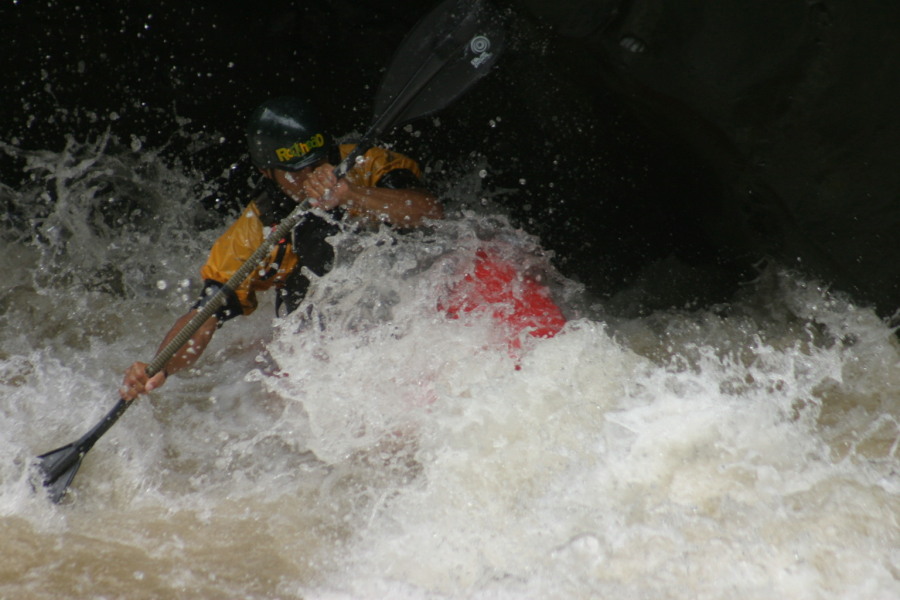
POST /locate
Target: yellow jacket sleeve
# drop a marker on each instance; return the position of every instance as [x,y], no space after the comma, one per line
[235,246]
[376,163]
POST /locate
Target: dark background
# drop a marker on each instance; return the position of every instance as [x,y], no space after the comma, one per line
[622,191]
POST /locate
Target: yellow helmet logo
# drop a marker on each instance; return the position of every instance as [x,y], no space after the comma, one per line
[300,148]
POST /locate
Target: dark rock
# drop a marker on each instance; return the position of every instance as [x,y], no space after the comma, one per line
[791,107]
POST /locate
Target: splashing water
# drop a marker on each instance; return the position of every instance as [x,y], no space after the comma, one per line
[367,446]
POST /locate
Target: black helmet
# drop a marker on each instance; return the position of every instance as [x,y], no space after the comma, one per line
[285,133]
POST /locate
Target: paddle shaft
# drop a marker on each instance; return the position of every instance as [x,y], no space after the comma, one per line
[412,96]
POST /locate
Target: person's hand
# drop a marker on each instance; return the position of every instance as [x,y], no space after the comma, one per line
[324,189]
[136,381]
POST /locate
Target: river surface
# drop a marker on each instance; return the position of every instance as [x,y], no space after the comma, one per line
[369,447]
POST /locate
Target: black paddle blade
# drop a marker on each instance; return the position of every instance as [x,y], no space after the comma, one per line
[58,468]
[450,49]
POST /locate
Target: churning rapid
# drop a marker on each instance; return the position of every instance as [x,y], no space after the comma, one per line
[368,446]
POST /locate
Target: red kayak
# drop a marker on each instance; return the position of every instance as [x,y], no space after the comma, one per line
[517,301]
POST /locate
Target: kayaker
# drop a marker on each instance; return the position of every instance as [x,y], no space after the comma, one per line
[296,157]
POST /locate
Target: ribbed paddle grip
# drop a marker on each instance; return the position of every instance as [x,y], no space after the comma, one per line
[209,309]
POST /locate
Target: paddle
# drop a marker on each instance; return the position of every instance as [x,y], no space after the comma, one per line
[450,49]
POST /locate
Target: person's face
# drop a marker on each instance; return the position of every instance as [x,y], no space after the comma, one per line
[291,182]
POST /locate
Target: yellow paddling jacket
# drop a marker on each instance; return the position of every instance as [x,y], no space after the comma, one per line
[282,266]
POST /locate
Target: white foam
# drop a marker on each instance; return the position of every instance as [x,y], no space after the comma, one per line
[748,451]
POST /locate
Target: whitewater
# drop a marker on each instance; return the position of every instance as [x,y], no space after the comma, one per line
[367,446]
